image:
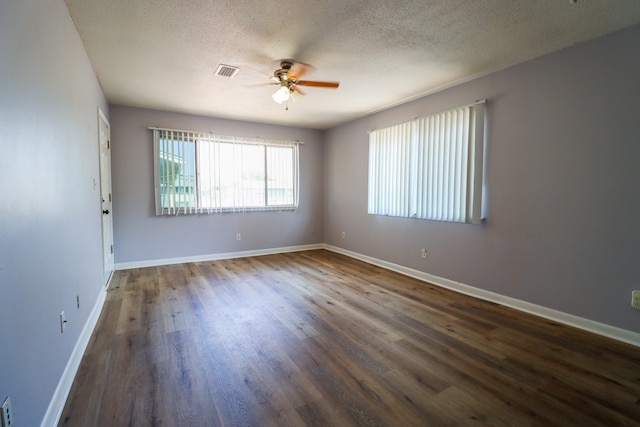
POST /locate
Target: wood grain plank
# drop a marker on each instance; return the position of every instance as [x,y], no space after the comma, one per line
[315,338]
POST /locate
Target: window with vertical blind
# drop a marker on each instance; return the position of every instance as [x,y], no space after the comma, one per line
[430,168]
[198,173]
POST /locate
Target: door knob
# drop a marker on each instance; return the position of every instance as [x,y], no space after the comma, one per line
[106,212]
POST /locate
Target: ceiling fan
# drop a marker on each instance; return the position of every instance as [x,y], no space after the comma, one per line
[289,77]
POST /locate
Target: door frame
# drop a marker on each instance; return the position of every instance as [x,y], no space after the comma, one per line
[105,179]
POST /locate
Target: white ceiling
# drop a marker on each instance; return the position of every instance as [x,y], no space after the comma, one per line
[162,54]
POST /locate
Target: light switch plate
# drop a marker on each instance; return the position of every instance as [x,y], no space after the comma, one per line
[63,322]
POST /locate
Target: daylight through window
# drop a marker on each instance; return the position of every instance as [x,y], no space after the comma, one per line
[430,168]
[203,173]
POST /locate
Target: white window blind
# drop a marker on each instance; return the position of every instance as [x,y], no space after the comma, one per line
[199,173]
[430,168]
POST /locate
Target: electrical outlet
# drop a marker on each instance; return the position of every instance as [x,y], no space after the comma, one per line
[424,253]
[344,235]
[63,322]
[635,299]
[7,415]
[238,236]
[78,301]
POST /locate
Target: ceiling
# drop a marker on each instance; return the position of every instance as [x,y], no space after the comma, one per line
[162,54]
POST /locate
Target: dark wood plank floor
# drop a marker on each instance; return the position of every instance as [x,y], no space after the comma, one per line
[319,339]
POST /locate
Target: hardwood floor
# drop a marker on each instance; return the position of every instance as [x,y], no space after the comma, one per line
[319,339]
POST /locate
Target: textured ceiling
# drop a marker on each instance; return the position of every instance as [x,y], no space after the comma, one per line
[162,54]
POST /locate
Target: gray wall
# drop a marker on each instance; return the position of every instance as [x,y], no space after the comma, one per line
[142,236]
[563,229]
[50,230]
[562,168]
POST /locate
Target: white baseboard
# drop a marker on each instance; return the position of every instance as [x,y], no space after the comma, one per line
[613,332]
[56,406]
[214,257]
[538,310]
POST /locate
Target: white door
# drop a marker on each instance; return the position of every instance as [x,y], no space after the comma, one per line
[105,194]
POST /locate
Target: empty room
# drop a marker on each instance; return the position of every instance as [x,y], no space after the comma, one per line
[381,213]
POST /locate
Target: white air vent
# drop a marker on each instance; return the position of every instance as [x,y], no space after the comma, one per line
[226,71]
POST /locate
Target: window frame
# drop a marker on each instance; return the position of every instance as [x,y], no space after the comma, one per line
[197,139]
[406,159]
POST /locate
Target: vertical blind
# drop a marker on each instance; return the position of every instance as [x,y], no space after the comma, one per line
[429,168]
[199,173]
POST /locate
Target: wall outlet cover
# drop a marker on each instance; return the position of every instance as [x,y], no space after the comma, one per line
[7,415]
[635,299]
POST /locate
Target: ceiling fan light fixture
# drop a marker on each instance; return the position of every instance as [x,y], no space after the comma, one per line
[281,95]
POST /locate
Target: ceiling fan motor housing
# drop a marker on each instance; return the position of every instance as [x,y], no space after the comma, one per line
[281,74]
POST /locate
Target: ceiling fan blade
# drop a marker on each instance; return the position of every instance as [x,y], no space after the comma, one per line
[263,84]
[249,70]
[298,70]
[297,89]
[332,85]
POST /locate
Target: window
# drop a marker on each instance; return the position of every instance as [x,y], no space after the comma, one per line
[430,168]
[204,173]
